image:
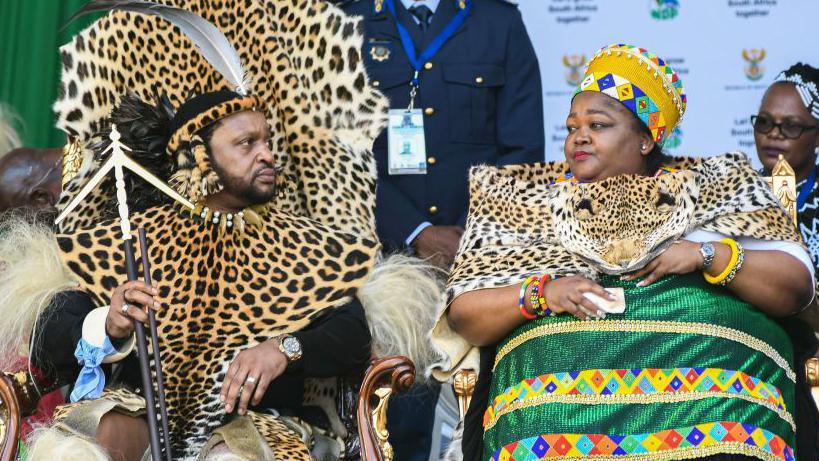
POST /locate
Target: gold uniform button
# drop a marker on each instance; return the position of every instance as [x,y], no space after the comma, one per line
[433,209]
[478,80]
[428,66]
[429,111]
[376,83]
[432,160]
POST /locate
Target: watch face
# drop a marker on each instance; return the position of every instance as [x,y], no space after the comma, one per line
[291,345]
[708,250]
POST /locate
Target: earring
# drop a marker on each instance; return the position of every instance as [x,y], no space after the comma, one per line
[643,147]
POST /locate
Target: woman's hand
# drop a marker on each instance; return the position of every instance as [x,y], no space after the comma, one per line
[139,297]
[250,373]
[566,295]
[683,257]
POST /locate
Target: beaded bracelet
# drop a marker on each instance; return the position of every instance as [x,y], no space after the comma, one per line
[543,306]
[737,267]
[732,263]
[533,297]
[522,298]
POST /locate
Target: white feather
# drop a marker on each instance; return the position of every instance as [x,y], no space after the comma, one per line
[212,43]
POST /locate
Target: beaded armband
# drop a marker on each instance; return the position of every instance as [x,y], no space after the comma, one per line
[543,306]
[737,267]
[522,298]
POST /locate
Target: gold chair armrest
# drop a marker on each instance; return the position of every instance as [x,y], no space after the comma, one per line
[464,384]
[812,371]
[19,395]
[9,418]
[28,391]
[812,375]
[783,184]
[385,377]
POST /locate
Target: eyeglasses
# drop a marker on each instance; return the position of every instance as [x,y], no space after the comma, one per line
[790,130]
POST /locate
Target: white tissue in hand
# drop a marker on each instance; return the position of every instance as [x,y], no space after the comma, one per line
[617,306]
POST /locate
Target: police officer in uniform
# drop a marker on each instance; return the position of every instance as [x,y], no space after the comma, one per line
[468,70]
[481,99]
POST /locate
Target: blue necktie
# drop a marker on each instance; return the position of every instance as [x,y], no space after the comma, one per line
[423,14]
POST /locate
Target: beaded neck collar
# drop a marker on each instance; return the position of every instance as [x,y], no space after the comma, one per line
[230,222]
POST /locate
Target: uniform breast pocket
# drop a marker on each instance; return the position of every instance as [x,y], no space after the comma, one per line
[388,79]
[394,84]
[472,90]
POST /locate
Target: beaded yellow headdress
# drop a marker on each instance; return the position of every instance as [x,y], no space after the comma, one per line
[640,80]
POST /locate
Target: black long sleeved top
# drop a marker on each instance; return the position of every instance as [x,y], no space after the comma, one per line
[337,343]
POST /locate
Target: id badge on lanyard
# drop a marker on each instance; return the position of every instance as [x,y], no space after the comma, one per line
[407,150]
[407,145]
[406,142]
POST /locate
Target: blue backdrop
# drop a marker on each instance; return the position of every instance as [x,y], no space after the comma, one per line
[726,51]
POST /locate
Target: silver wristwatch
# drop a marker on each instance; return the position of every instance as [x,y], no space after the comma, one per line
[708,252]
[290,346]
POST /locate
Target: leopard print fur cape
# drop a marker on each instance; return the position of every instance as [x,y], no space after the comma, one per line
[222,292]
[304,61]
[523,220]
[527,219]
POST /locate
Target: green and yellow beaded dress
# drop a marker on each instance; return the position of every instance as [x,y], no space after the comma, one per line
[687,371]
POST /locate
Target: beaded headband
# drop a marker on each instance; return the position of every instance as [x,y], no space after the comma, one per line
[206,109]
[807,91]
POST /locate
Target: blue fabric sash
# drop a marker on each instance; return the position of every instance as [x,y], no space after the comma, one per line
[91,380]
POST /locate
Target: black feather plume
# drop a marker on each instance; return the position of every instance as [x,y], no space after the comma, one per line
[145,129]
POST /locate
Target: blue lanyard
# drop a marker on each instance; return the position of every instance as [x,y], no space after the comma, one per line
[806,190]
[434,46]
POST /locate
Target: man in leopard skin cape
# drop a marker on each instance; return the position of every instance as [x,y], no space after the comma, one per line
[268,282]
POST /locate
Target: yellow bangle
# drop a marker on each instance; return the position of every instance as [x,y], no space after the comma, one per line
[731,264]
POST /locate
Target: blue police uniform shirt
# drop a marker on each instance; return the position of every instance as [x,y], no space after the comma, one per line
[482,102]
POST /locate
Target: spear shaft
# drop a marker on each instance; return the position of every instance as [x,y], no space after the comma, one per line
[160,377]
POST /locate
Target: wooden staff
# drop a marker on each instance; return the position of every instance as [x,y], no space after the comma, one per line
[118,161]
[160,377]
[144,366]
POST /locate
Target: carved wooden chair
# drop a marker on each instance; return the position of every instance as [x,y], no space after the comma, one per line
[783,183]
[385,377]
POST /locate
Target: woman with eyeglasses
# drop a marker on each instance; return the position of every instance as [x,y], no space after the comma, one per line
[788,124]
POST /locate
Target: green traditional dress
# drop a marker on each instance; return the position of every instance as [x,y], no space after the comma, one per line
[687,371]
[680,374]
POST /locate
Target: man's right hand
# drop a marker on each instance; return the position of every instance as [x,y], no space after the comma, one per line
[438,244]
[139,297]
